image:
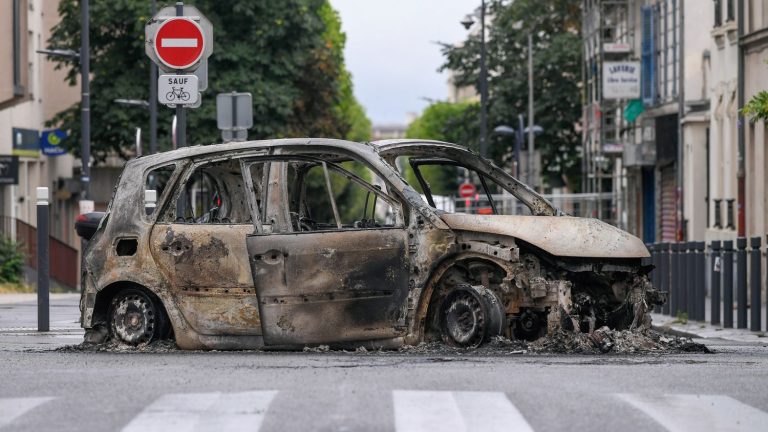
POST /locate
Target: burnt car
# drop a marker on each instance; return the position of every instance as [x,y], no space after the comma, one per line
[296,242]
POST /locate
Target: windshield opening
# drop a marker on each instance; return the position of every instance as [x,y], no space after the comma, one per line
[452,187]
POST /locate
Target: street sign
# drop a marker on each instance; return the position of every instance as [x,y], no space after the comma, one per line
[467,190]
[621,80]
[177,89]
[168,13]
[234,115]
[179,43]
[202,75]
[9,170]
[51,142]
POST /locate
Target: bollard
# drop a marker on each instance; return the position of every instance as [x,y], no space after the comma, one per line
[741,282]
[150,201]
[682,288]
[754,285]
[690,267]
[43,289]
[701,282]
[716,266]
[674,283]
[655,273]
[664,275]
[728,284]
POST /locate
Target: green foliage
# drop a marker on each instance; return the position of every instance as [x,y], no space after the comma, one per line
[288,54]
[11,261]
[757,108]
[444,121]
[557,55]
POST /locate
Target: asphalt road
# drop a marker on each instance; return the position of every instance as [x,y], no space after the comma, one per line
[43,389]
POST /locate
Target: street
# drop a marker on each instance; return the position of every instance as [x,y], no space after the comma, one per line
[47,389]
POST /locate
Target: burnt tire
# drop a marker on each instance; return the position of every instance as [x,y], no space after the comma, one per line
[470,316]
[137,317]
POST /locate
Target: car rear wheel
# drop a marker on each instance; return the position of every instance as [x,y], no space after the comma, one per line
[470,316]
[137,318]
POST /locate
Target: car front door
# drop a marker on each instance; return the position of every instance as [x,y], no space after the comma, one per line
[333,267]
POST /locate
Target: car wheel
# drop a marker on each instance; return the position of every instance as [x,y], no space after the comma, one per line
[470,316]
[137,317]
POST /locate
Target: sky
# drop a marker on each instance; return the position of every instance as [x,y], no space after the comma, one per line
[392,54]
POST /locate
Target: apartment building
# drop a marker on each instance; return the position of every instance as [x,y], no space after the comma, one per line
[31,93]
[646,113]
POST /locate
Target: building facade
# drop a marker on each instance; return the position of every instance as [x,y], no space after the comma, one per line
[646,141]
[31,93]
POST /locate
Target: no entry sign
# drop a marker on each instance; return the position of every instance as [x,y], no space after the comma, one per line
[467,190]
[179,43]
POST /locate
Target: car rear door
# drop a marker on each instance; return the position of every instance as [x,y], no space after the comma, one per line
[323,284]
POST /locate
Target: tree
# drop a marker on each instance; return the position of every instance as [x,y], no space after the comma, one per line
[444,121]
[757,107]
[288,54]
[555,25]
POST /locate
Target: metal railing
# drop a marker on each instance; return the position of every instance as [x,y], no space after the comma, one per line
[731,272]
[591,205]
[64,258]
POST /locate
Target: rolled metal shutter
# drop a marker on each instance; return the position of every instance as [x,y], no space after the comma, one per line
[667,209]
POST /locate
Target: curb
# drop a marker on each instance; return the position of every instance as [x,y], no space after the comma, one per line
[674,332]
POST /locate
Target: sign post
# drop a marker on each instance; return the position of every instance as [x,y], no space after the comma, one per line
[234,115]
[180,40]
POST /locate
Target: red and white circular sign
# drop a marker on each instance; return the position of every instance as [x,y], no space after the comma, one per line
[179,43]
[467,190]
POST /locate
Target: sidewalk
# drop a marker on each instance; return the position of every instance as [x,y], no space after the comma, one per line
[18,322]
[704,330]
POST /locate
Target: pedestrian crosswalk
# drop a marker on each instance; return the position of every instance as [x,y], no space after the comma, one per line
[412,411]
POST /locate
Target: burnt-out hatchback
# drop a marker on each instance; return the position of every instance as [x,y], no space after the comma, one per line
[297,242]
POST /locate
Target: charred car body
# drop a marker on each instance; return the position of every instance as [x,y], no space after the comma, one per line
[296,242]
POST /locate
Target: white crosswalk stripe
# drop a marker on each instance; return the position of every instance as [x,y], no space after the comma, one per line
[204,412]
[13,408]
[690,412]
[446,411]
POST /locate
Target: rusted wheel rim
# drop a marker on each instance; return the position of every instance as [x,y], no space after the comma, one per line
[463,320]
[133,318]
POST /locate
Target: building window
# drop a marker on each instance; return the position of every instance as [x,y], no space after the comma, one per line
[731,11]
[19,46]
[718,13]
[648,67]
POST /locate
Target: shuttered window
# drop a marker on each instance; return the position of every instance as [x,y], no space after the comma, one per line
[648,57]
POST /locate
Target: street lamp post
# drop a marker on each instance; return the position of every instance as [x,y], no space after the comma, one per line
[84,59]
[519,135]
[467,23]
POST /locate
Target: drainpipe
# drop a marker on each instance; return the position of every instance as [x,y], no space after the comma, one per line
[681,234]
[741,173]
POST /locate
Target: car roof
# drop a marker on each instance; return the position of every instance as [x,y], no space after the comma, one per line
[381,146]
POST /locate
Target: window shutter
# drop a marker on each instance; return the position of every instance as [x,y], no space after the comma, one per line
[648,70]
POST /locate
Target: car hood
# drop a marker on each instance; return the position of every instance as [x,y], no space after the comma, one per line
[563,236]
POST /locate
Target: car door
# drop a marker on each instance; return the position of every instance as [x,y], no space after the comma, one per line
[198,244]
[319,281]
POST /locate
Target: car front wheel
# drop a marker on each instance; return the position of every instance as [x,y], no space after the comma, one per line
[470,316]
[137,318]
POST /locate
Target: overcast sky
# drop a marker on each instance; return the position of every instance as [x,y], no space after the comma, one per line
[391,52]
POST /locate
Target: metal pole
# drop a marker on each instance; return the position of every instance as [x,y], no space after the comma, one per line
[654,261]
[519,142]
[728,284]
[664,279]
[681,234]
[43,289]
[754,284]
[181,114]
[153,96]
[690,266]
[701,280]
[741,172]
[741,281]
[85,102]
[682,299]
[531,144]
[674,286]
[483,86]
[715,279]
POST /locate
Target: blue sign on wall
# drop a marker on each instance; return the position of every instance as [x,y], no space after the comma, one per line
[52,142]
